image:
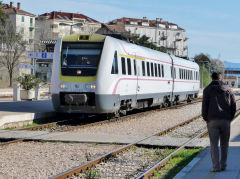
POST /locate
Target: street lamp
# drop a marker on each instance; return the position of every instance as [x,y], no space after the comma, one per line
[71,25]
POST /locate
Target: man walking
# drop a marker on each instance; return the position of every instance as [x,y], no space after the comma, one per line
[218,110]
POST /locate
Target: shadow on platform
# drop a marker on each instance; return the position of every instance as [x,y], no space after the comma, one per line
[27,106]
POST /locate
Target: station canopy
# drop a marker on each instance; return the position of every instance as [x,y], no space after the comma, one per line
[229,66]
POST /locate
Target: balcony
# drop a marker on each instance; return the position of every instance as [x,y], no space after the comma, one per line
[178,39]
[31,27]
[163,37]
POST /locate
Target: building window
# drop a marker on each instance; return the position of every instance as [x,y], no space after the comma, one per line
[22,18]
[31,22]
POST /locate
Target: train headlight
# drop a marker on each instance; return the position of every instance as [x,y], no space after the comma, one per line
[63,86]
[90,86]
[93,86]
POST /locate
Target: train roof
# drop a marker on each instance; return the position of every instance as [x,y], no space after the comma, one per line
[84,38]
[141,49]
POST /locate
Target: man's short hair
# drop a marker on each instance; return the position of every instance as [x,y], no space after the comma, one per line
[215,76]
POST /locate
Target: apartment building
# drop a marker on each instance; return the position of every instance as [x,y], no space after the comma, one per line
[50,27]
[161,33]
[56,24]
[23,21]
[232,74]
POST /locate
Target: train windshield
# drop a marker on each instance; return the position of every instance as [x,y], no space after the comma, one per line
[80,59]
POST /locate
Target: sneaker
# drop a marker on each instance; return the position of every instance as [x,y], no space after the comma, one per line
[223,169]
[216,170]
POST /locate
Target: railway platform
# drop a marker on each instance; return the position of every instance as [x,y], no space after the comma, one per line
[201,166]
[25,111]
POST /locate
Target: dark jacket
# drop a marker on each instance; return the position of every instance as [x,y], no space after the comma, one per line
[218,102]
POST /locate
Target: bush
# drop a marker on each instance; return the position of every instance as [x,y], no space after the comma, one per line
[93,173]
[28,81]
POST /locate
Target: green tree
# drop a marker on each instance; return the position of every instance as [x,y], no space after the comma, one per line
[144,41]
[206,78]
[202,58]
[3,16]
[13,47]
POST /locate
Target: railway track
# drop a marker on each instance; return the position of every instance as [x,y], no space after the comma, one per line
[146,173]
[93,120]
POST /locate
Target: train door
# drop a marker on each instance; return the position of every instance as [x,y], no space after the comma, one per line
[136,73]
[173,76]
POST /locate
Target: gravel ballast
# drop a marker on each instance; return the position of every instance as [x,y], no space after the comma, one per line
[43,160]
[129,164]
[148,123]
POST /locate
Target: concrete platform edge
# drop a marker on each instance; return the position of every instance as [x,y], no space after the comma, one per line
[190,165]
[16,118]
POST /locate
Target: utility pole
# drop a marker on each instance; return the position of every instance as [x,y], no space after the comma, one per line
[202,74]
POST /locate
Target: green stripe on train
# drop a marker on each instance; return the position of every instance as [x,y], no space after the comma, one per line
[84,38]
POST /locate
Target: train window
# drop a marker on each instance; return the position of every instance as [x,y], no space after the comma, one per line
[148,69]
[156,72]
[129,67]
[152,72]
[159,70]
[162,71]
[135,68]
[179,73]
[115,64]
[123,66]
[143,68]
[171,69]
[174,73]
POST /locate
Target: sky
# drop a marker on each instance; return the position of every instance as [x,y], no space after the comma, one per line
[212,26]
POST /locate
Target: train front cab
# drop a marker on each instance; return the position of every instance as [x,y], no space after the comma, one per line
[75,68]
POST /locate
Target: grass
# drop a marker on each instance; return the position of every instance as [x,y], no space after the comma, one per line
[92,173]
[30,125]
[9,128]
[176,164]
[27,125]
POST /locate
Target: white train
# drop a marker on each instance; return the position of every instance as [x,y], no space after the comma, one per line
[101,74]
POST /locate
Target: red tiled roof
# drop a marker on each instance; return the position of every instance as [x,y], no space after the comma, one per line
[152,23]
[67,16]
[116,28]
[14,10]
